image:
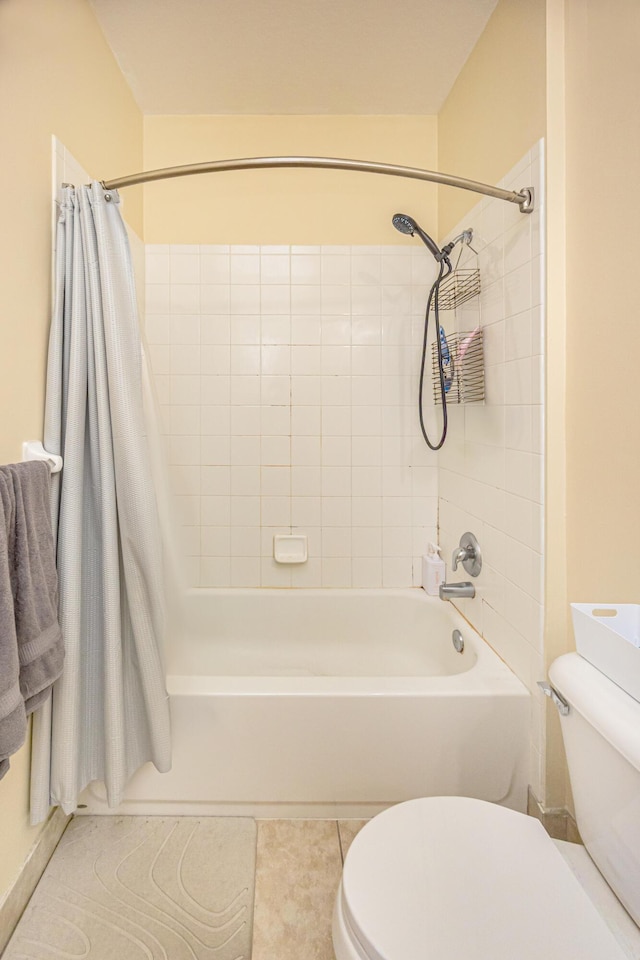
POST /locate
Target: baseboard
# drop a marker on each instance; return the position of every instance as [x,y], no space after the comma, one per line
[257,811]
[557,821]
[19,894]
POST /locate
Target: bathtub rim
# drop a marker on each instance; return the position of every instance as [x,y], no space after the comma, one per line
[488,672]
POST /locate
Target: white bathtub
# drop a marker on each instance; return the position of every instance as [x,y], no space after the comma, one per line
[330,703]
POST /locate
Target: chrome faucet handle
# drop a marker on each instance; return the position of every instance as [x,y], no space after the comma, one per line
[459,555]
[468,554]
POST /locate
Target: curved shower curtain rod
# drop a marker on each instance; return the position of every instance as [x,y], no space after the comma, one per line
[524,198]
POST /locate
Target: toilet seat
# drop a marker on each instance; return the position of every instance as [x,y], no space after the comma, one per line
[451,878]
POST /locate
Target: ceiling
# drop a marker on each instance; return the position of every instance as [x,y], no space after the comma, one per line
[292,56]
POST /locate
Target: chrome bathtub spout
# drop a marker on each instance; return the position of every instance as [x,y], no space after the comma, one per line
[456,591]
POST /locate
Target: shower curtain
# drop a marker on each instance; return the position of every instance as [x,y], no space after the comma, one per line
[109,711]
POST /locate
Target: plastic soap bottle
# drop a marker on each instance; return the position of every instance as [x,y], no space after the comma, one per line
[433,570]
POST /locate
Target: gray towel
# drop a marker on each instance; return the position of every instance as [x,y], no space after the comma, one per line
[33,581]
[35,590]
[13,718]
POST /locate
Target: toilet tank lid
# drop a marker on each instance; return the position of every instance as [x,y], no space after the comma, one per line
[602,703]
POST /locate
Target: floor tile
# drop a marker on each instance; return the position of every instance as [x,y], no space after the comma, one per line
[298,871]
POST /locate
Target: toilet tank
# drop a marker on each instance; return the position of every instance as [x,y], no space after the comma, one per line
[601,735]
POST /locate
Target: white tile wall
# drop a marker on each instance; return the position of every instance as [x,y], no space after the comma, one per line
[287,378]
[491,469]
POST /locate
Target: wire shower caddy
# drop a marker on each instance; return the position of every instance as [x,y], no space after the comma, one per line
[464,374]
[461,285]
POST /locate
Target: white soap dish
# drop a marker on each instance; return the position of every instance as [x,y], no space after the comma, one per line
[608,636]
[290,548]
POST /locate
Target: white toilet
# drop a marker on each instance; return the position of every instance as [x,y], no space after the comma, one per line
[451,878]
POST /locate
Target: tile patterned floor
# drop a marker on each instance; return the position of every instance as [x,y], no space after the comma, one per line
[298,869]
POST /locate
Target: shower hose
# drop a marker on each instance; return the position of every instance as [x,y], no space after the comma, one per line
[445,270]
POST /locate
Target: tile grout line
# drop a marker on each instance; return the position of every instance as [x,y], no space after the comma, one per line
[255,888]
[340,842]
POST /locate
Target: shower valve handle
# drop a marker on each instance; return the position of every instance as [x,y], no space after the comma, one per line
[460,555]
[468,554]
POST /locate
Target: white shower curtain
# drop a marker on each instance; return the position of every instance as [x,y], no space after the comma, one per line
[109,711]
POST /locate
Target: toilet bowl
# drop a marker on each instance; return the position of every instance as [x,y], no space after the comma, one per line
[454,878]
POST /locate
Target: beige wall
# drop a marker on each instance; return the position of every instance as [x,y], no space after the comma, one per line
[58,77]
[496,109]
[593,337]
[603,333]
[287,206]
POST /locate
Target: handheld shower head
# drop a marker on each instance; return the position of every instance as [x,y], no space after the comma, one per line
[409,227]
[404,224]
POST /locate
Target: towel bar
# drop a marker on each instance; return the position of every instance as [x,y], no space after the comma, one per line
[33,450]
